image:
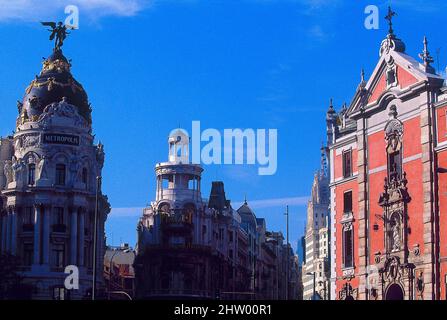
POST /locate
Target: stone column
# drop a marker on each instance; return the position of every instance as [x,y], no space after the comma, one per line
[37,223]
[46,235]
[81,213]
[3,234]
[8,231]
[428,201]
[14,214]
[363,218]
[74,236]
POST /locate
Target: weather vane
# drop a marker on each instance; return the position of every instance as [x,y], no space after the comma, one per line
[58,33]
[389,17]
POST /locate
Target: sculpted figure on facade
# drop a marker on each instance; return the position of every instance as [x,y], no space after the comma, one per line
[7,169]
[395,239]
[18,167]
[42,168]
[100,154]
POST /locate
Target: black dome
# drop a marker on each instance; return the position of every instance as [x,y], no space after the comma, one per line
[55,82]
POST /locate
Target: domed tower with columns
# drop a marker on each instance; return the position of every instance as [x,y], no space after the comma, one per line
[49,181]
[179,253]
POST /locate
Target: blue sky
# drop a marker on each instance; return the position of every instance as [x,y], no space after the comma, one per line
[149,66]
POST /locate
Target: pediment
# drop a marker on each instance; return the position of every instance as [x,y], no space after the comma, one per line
[395,74]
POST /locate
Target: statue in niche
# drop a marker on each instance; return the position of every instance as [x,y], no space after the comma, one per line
[7,170]
[100,154]
[18,167]
[395,233]
[42,168]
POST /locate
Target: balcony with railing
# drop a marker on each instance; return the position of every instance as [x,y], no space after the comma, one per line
[176,221]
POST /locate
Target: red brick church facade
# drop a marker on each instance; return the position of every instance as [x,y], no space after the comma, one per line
[388,158]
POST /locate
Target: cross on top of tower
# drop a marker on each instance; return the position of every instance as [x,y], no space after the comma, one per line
[389,17]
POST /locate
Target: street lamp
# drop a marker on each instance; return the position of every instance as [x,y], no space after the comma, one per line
[288,252]
[312,274]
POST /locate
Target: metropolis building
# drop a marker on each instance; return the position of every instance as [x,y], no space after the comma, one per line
[48,182]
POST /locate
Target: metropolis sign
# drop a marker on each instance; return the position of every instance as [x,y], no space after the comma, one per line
[55,138]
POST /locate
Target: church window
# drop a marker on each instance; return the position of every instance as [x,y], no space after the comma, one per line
[347,163]
[347,202]
[348,252]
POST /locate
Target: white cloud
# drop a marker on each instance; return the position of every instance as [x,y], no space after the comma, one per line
[255,204]
[276,202]
[37,10]
[126,212]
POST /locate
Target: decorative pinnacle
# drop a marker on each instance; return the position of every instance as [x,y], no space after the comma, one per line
[362,76]
[389,18]
[425,55]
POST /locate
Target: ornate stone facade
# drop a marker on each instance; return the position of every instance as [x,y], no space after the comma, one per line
[190,247]
[387,154]
[48,182]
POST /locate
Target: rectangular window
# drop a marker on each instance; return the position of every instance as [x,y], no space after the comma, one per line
[31,173]
[230,236]
[60,175]
[60,293]
[28,215]
[347,202]
[348,248]
[28,254]
[59,255]
[347,164]
[87,257]
[84,175]
[58,215]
